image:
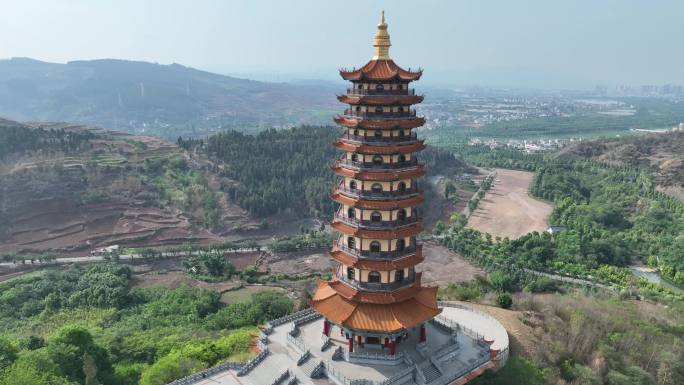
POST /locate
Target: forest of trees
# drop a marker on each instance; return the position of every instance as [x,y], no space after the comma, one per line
[278,169]
[287,169]
[88,326]
[613,216]
[18,139]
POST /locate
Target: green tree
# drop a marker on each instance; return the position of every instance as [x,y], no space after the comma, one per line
[33,368]
[501,281]
[69,346]
[8,353]
[168,368]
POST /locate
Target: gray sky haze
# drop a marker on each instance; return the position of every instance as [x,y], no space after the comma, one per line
[535,43]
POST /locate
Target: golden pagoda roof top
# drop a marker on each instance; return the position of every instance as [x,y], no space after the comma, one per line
[381,66]
[381,42]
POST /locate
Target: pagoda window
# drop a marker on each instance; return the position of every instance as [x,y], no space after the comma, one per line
[401,133]
[401,187]
[398,275]
[351,273]
[379,87]
[374,277]
[354,157]
[352,185]
[356,132]
[378,110]
[376,216]
[401,215]
[376,188]
[375,247]
[351,213]
[377,159]
[401,244]
[351,242]
[402,158]
[378,134]
[358,108]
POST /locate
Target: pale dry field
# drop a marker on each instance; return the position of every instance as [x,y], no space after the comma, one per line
[442,266]
[507,210]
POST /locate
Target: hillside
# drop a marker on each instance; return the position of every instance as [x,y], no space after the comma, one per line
[70,188]
[163,100]
[663,152]
[287,170]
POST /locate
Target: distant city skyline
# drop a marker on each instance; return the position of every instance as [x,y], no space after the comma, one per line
[529,43]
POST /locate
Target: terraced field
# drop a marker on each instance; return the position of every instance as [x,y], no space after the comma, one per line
[118,190]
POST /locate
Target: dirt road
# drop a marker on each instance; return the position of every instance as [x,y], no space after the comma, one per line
[507,210]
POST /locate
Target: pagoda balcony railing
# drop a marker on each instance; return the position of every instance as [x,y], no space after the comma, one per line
[380,139]
[378,255]
[383,115]
[356,222]
[377,195]
[377,166]
[411,92]
[408,280]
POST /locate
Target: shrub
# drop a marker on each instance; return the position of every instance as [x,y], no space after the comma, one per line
[169,368]
[541,285]
[504,300]
[518,370]
[8,353]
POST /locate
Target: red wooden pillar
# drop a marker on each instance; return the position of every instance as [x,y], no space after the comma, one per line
[386,342]
[351,344]
[326,328]
[423,333]
[393,346]
[359,340]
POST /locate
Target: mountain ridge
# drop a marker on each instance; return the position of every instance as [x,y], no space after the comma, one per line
[170,100]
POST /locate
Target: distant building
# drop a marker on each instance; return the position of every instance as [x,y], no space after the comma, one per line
[555,229]
[105,250]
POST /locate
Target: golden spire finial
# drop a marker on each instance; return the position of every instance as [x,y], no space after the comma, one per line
[382,40]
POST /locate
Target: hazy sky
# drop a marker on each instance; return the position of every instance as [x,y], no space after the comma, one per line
[552,43]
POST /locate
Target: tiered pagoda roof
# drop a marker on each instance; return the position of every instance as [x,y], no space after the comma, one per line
[379,124]
[348,311]
[364,148]
[380,100]
[409,260]
[377,204]
[412,172]
[380,69]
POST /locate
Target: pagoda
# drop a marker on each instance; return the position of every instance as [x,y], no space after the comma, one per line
[375,297]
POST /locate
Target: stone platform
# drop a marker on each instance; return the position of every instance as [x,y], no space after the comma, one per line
[461,343]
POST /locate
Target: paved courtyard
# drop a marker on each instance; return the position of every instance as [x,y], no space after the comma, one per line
[461,343]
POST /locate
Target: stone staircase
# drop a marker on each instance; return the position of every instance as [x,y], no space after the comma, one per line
[430,372]
[312,368]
